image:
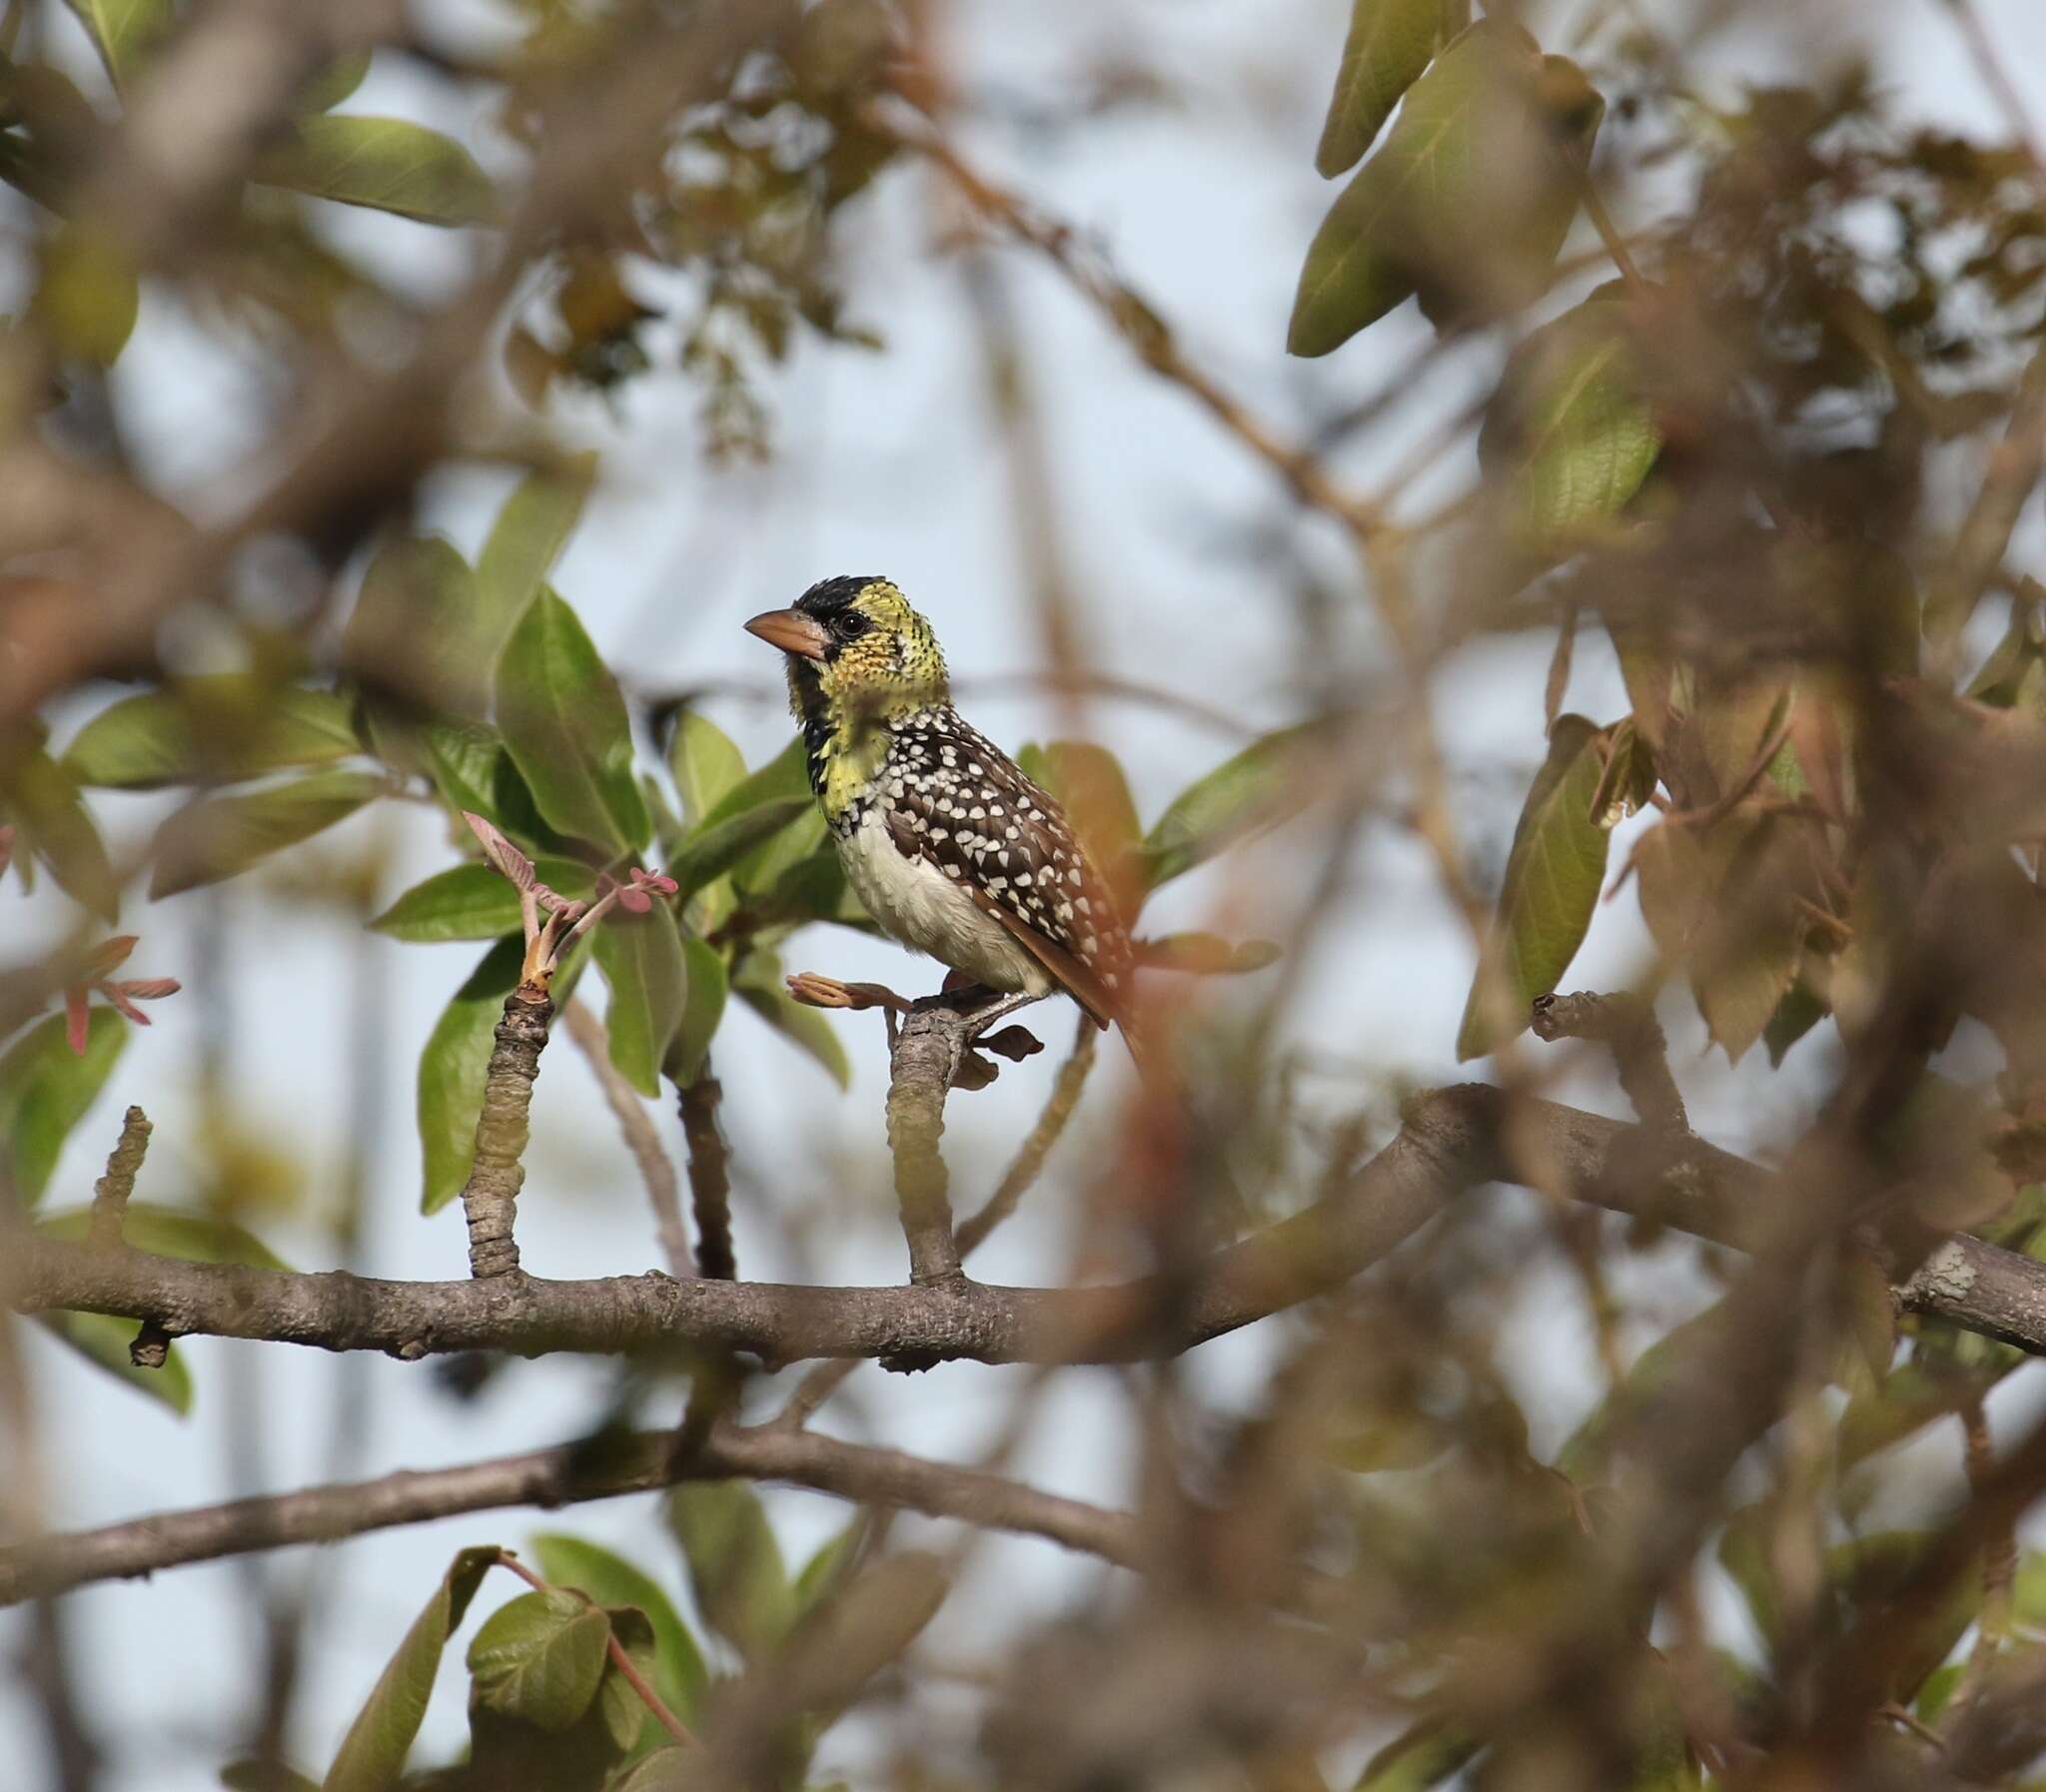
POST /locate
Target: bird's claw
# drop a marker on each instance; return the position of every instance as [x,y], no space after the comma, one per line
[814,990]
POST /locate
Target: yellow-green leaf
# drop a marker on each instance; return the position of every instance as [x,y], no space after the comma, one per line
[565,726]
[642,960]
[452,1070]
[373,1754]
[46,1089]
[704,763]
[680,1674]
[220,837]
[123,31]
[1390,43]
[539,1659]
[759,985]
[706,987]
[527,537]
[1466,201]
[224,727]
[472,902]
[1553,875]
[387,164]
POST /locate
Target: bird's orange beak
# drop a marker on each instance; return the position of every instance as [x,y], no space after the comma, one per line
[791,632]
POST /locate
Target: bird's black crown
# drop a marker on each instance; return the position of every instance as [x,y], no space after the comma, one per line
[831,597]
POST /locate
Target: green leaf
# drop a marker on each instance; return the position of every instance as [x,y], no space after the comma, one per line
[387,164]
[1744,1554]
[786,774]
[170,1231]
[565,723]
[373,1754]
[471,902]
[123,31]
[222,836]
[473,771]
[1553,874]
[335,83]
[452,1071]
[524,542]
[828,1566]
[88,293]
[759,985]
[1269,781]
[628,1726]
[642,960]
[714,848]
[46,1089]
[1571,431]
[259,1776]
[103,1342]
[703,762]
[680,1675]
[735,1572]
[222,728]
[418,627]
[42,798]
[1424,1756]
[665,1770]
[1390,43]
[539,1659]
[705,986]
[1468,200]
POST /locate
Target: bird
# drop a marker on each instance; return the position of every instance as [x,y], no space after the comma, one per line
[954,851]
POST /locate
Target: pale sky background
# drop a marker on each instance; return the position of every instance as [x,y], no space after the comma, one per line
[886,464]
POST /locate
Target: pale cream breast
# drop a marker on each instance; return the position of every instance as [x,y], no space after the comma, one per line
[915,903]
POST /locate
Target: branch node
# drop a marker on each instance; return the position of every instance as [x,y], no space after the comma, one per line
[152,1345]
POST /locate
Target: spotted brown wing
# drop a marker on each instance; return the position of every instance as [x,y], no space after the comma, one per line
[956,800]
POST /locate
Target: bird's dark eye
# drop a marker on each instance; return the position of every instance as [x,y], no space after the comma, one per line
[852,624]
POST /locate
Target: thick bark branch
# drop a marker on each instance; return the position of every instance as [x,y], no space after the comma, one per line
[567,1475]
[1452,1140]
[924,1060]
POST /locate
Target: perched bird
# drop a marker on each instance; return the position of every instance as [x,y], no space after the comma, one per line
[953,851]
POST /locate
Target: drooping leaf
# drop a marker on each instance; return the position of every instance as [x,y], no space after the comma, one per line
[1270,780]
[1421,1757]
[336,82]
[565,726]
[786,774]
[706,987]
[759,985]
[680,1675]
[88,294]
[711,850]
[46,1089]
[104,1343]
[225,729]
[259,1776]
[387,164]
[537,1659]
[475,774]
[525,541]
[1801,1010]
[123,31]
[703,762]
[170,1231]
[1571,431]
[736,1574]
[472,902]
[452,1070]
[373,1754]
[41,796]
[1466,201]
[828,1566]
[418,627]
[1553,874]
[642,959]
[1390,43]
[223,836]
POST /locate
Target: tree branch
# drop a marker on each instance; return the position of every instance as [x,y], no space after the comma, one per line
[656,1169]
[1454,1139]
[490,1199]
[567,1475]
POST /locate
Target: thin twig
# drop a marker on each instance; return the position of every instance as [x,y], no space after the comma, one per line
[110,1194]
[710,1173]
[656,1169]
[490,1198]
